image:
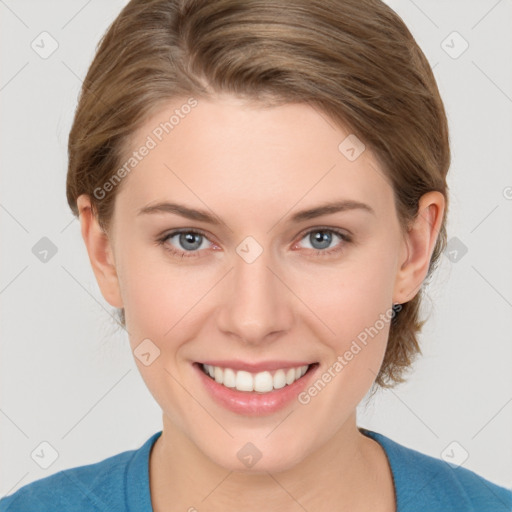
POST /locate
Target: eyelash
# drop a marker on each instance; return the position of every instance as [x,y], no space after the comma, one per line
[194,254]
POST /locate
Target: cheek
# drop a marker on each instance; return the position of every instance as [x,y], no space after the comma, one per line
[354,302]
[358,312]
[353,296]
[156,291]
[159,301]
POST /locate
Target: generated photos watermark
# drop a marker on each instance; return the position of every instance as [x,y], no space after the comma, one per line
[152,140]
[341,361]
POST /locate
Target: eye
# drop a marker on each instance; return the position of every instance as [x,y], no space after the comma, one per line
[188,243]
[321,238]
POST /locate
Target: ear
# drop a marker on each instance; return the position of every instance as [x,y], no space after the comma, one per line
[419,244]
[100,253]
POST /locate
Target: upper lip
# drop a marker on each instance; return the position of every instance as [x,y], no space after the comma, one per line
[252,367]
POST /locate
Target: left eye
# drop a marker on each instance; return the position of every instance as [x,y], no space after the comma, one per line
[320,239]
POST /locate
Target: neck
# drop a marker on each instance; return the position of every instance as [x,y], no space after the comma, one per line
[343,474]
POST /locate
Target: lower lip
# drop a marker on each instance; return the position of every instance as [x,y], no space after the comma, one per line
[254,403]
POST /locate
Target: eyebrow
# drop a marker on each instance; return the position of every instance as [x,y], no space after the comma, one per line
[204,216]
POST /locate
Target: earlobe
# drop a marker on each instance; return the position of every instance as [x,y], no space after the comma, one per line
[99,249]
[419,245]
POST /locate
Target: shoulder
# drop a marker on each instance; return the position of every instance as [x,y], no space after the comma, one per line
[426,483]
[99,486]
[95,486]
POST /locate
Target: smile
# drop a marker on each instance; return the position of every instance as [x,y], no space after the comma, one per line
[261,382]
[255,389]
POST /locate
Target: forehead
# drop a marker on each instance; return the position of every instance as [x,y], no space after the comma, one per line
[229,151]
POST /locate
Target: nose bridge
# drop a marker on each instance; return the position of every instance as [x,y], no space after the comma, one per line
[257,304]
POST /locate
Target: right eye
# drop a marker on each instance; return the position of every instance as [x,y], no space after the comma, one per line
[190,241]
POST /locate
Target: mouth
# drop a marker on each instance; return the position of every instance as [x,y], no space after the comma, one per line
[248,380]
[264,390]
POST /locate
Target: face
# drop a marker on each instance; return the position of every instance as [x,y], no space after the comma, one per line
[250,284]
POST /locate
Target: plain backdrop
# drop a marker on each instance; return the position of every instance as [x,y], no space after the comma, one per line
[67,375]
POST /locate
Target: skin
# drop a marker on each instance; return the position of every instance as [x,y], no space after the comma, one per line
[253,167]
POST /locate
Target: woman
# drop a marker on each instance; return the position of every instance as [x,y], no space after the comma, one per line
[262,192]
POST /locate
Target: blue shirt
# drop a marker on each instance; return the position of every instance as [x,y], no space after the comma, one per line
[121,483]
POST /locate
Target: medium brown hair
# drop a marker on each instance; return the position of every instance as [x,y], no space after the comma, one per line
[353,60]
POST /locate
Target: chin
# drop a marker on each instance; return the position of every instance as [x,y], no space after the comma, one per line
[248,458]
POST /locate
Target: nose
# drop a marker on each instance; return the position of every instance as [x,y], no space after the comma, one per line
[258,304]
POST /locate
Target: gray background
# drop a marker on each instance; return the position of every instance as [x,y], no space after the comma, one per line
[67,375]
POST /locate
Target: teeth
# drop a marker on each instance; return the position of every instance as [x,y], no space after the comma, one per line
[229,378]
[244,381]
[262,382]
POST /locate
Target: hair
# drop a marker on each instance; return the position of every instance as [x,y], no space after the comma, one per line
[353,60]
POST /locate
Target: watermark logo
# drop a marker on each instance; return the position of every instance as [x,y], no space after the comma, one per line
[249,455]
[455,250]
[454,45]
[454,454]
[146,352]
[44,455]
[249,249]
[45,45]
[44,250]
[351,147]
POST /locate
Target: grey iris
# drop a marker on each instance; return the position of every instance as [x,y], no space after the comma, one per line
[321,236]
[190,238]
